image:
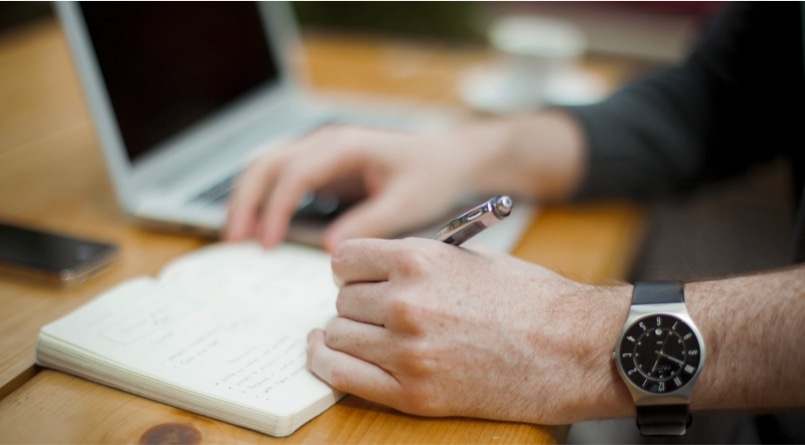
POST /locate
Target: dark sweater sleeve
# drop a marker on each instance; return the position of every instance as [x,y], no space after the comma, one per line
[713,116]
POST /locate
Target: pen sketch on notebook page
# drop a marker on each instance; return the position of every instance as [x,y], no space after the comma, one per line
[221,332]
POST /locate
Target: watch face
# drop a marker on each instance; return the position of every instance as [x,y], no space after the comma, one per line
[659,353]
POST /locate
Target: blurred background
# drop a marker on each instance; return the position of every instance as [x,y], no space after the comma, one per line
[653,30]
[735,226]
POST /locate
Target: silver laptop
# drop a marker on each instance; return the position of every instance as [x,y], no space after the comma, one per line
[183,93]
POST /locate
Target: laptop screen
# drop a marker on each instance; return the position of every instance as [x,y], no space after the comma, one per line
[167,65]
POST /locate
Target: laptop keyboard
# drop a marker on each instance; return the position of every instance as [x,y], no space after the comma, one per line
[219,192]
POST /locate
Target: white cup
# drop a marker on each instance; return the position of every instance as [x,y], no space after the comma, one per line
[535,49]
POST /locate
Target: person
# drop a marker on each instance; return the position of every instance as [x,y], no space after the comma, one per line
[435,330]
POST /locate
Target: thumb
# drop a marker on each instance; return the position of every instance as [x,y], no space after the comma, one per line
[481,248]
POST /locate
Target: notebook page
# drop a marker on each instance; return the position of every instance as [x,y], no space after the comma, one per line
[291,279]
[197,343]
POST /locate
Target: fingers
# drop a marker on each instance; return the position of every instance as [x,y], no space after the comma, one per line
[247,197]
[348,373]
[364,260]
[364,341]
[299,176]
[270,190]
[364,302]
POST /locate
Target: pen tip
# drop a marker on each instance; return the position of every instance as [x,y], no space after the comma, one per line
[503,205]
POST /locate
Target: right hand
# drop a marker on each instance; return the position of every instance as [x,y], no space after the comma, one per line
[408,180]
[435,330]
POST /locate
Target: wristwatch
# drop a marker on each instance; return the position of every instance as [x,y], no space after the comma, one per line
[660,355]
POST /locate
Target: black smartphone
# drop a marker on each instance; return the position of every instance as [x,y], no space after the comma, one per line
[53,258]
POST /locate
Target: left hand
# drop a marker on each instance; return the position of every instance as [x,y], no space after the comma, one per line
[436,330]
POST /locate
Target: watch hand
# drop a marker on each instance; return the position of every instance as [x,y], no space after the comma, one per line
[659,354]
[673,359]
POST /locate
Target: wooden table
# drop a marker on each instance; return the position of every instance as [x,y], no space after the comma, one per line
[52,176]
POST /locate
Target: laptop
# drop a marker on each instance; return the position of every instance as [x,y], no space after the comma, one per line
[182,94]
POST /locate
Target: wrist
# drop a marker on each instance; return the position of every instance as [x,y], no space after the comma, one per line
[542,154]
[601,393]
[614,399]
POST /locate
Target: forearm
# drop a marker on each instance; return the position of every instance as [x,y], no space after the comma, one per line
[539,156]
[753,327]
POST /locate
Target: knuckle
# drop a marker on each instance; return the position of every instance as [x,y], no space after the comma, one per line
[331,337]
[411,358]
[402,310]
[294,171]
[412,262]
[338,256]
[421,399]
[418,359]
[350,142]
[264,162]
[339,259]
[342,379]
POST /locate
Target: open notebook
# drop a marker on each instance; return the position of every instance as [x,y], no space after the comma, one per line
[220,332]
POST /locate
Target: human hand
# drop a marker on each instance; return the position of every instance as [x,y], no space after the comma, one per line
[408,180]
[436,330]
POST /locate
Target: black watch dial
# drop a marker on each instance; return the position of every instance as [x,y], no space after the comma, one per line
[659,353]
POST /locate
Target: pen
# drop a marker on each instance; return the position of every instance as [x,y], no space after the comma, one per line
[475,220]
